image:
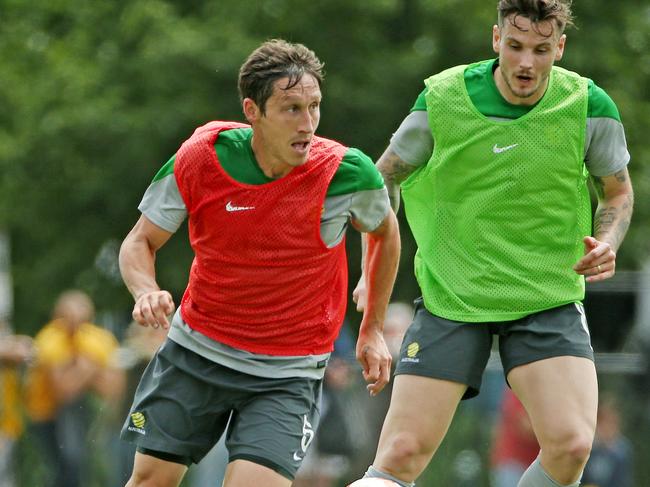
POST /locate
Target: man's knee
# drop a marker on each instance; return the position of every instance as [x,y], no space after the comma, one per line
[578,448]
[152,472]
[573,446]
[140,480]
[404,452]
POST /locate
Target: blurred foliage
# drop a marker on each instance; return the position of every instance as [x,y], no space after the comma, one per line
[97,95]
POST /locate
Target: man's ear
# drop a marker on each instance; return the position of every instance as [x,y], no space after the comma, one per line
[560,47]
[251,110]
[496,38]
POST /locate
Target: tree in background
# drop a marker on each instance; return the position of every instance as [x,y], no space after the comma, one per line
[96,96]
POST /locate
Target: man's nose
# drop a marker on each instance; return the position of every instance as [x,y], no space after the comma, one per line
[526,60]
[306,123]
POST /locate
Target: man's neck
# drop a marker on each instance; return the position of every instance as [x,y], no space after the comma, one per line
[271,167]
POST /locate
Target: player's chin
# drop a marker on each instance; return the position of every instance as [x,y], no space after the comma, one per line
[299,161]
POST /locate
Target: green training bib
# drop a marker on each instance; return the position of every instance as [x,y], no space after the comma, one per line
[500,210]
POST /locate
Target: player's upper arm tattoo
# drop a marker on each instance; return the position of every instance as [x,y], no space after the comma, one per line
[394,170]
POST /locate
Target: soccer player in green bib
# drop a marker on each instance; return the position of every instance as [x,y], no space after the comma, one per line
[493,163]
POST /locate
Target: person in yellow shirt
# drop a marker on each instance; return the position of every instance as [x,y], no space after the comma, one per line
[73,359]
[15,351]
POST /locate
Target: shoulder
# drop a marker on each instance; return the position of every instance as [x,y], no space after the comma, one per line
[473,70]
[235,135]
[216,133]
[479,70]
[166,170]
[600,104]
[51,331]
[357,172]
[360,167]
[420,104]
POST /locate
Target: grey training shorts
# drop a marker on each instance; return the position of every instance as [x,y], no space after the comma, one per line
[458,351]
[183,402]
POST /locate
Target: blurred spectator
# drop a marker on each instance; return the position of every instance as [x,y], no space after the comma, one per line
[73,359]
[15,351]
[515,446]
[611,462]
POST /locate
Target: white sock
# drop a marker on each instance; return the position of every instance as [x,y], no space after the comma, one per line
[372,472]
[536,476]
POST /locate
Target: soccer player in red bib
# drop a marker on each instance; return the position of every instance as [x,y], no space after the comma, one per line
[268,206]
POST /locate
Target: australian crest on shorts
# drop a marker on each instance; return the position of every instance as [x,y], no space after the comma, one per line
[137,420]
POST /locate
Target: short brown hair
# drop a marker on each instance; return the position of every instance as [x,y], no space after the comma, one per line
[537,11]
[271,61]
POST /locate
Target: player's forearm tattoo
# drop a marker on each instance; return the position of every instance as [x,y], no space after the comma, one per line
[394,170]
[613,215]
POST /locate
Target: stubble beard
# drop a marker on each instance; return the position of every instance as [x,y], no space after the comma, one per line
[525,94]
[519,93]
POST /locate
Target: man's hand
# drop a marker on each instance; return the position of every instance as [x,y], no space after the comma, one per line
[375,359]
[360,294]
[599,261]
[85,367]
[153,308]
[16,349]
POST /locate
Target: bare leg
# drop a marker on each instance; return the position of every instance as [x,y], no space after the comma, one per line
[242,473]
[420,413]
[561,397]
[150,471]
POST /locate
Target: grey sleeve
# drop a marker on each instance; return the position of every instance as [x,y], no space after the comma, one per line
[413,140]
[163,205]
[605,147]
[369,208]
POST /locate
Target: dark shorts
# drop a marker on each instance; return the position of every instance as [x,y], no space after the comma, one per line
[183,403]
[459,351]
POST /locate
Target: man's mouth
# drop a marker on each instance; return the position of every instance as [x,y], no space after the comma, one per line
[300,146]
